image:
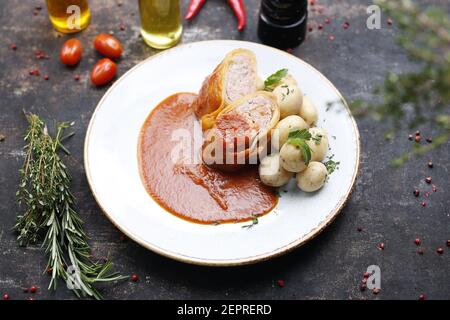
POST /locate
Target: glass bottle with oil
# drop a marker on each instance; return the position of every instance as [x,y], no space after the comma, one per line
[161,25]
[69,16]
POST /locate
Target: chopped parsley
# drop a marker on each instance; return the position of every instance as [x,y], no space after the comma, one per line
[288,91]
[317,139]
[331,165]
[255,221]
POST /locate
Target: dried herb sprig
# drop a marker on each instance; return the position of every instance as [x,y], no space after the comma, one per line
[45,193]
[30,195]
[423,96]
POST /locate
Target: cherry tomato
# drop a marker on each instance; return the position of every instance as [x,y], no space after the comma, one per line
[103,72]
[71,52]
[108,46]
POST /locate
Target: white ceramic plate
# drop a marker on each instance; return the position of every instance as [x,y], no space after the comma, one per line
[112,166]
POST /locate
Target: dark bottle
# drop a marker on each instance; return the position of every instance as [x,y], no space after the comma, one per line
[282,23]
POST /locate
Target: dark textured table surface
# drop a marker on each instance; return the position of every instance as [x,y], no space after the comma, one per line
[330,266]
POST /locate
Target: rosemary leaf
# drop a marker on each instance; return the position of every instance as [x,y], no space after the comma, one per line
[49,210]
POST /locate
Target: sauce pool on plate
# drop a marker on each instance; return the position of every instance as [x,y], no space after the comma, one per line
[177,180]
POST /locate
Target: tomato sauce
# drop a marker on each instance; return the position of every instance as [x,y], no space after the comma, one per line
[190,189]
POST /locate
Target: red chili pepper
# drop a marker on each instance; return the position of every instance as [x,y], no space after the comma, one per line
[239,11]
[193,8]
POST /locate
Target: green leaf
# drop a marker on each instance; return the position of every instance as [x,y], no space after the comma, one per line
[301,134]
[274,79]
[298,139]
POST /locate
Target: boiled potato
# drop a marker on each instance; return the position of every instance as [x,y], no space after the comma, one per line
[308,111]
[318,144]
[289,80]
[259,84]
[292,158]
[289,99]
[313,178]
[286,125]
[271,173]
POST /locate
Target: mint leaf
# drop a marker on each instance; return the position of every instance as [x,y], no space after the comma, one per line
[302,134]
[274,79]
[298,139]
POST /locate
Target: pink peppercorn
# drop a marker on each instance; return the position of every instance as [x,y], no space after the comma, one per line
[281,283]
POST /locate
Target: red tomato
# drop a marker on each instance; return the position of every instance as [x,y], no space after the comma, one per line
[71,52]
[108,46]
[103,72]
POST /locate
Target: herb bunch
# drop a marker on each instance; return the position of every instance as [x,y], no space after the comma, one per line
[421,97]
[49,211]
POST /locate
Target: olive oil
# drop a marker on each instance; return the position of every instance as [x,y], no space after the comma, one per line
[161,25]
[69,16]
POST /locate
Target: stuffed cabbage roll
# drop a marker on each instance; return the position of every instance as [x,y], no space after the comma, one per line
[235,77]
[241,132]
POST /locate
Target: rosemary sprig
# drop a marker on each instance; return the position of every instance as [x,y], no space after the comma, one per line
[30,195]
[45,193]
[420,97]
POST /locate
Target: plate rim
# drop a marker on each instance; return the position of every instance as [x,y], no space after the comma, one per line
[226,262]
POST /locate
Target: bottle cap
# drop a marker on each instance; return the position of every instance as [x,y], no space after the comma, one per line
[282,23]
[284,12]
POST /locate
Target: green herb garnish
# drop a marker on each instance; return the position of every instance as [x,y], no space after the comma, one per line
[274,79]
[419,97]
[254,223]
[331,165]
[49,211]
[298,139]
[317,139]
[287,91]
